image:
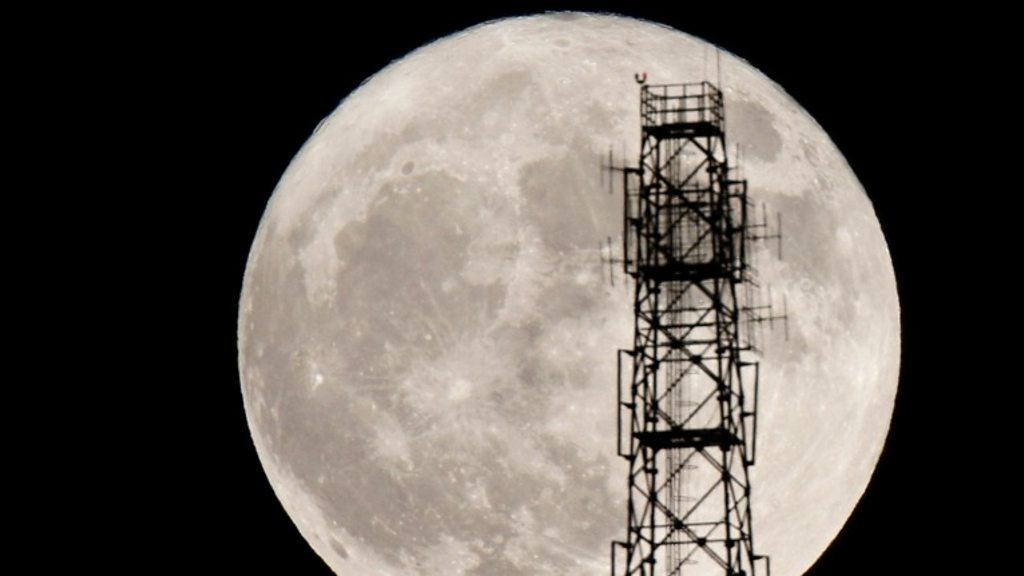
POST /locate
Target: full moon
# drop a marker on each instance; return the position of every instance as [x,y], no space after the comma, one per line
[427,333]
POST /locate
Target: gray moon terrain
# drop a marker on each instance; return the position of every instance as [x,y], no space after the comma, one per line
[427,334]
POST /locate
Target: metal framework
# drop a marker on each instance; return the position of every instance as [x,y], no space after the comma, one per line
[687,417]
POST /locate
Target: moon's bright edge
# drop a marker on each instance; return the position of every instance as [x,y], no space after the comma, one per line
[427,343]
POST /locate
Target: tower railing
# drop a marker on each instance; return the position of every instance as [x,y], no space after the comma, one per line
[693,104]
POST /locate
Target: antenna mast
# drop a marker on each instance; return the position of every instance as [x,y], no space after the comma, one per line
[687,411]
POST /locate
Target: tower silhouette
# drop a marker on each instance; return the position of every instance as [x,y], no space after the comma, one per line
[687,413]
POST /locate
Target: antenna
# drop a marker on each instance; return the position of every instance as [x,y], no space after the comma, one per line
[778,233]
[630,181]
[760,231]
[607,259]
[785,315]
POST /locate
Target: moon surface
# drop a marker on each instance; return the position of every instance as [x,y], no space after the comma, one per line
[427,335]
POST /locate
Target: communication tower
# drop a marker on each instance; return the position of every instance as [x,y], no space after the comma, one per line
[687,411]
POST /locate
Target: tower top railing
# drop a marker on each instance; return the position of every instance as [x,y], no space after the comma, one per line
[697,103]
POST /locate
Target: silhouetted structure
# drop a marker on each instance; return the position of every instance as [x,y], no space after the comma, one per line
[688,414]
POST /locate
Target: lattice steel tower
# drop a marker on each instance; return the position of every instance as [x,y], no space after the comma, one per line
[688,415]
